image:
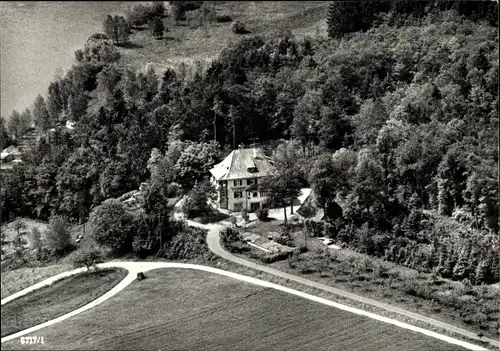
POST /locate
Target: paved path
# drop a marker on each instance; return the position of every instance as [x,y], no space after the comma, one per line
[135,267]
[215,246]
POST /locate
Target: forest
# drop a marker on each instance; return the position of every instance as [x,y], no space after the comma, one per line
[395,119]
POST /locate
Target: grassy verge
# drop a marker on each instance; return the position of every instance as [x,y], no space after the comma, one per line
[57,299]
[193,310]
[19,279]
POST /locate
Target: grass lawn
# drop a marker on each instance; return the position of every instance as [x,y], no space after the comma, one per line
[192,310]
[473,309]
[190,42]
[57,299]
[19,279]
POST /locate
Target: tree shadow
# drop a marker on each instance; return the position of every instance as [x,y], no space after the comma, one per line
[130,45]
[140,28]
[243,32]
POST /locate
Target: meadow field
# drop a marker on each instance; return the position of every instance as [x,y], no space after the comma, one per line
[57,299]
[192,310]
[19,279]
[193,40]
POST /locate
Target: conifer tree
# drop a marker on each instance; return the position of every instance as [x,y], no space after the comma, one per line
[460,269]
[41,114]
[481,272]
[14,124]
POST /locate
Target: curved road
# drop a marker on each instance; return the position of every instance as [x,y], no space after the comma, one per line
[215,246]
[135,267]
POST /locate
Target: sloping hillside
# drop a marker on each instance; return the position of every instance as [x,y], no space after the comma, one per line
[190,41]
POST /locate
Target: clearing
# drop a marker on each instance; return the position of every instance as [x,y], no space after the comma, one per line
[20,226]
[187,309]
[190,41]
[61,297]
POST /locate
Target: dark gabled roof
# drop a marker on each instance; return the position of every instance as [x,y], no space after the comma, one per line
[243,163]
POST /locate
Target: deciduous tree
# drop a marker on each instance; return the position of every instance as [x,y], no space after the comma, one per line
[57,237]
[112,225]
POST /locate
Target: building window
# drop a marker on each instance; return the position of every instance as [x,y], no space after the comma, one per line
[238,195]
[250,181]
[255,194]
[238,182]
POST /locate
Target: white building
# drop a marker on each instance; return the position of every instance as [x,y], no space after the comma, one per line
[237,178]
[70,124]
[10,153]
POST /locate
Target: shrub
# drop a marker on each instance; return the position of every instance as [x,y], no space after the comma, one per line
[99,36]
[229,235]
[417,289]
[238,28]
[233,220]
[262,214]
[475,318]
[189,243]
[245,216]
[285,238]
[276,257]
[223,18]
[57,237]
[314,228]
[381,270]
[18,245]
[303,249]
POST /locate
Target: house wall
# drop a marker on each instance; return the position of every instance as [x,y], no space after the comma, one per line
[243,202]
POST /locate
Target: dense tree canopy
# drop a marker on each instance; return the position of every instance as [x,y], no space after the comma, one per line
[401,110]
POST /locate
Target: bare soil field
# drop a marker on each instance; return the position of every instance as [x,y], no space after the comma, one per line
[192,310]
